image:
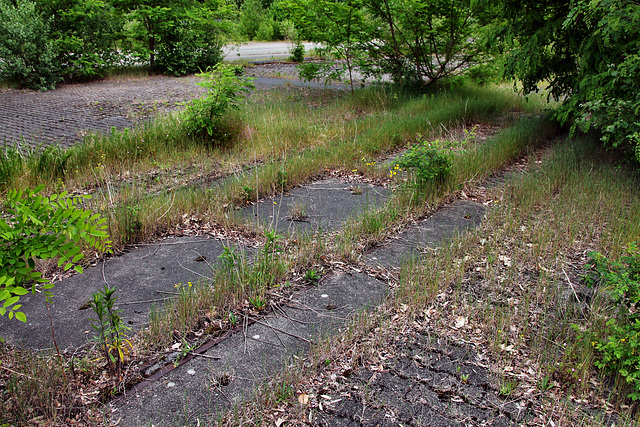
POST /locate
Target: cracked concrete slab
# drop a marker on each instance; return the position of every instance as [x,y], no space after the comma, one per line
[144,276]
[198,390]
[316,207]
[457,217]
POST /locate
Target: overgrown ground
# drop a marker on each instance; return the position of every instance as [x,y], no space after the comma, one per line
[509,291]
[510,296]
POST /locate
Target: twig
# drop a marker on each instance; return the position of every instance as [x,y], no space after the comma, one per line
[103,275]
[244,333]
[194,272]
[168,243]
[306,307]
[168,293]
[204,355]
[55,343]
[141,302]
[168,209]
[280,330]
[574,291]
[18,373]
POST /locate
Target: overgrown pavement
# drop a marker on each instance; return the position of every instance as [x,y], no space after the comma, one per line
[477,331]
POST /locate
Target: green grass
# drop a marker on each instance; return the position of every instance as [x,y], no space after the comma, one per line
[145,180]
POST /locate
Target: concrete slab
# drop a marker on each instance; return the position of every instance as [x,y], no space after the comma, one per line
[445,223]
[316,207]
[201,388]
[144,276]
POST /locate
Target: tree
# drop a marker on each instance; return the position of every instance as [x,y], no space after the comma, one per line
[27,53]
[176,27]
[588,52]
[416,41]
[34,227]
[86,34]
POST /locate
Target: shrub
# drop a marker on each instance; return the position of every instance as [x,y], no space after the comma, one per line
[297,52]
[188,49]
[36,227]
[26,50]
[428,161]
[620,351]
[203,115]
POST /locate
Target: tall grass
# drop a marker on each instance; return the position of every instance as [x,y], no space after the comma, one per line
[517,282]
[145,179]
[520,274]
[469,168]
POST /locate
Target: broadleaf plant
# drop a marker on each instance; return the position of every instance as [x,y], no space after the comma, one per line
[35,227]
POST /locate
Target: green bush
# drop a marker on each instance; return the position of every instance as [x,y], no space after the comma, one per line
[188,49]
[297,52]
[26,50]
[203,116]
[429,162]
[34,227]
[620,351]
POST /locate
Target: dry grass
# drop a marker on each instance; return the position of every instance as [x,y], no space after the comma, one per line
[516,283]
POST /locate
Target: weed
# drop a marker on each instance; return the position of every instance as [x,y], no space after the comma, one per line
[258,303]
[248,193]
[281,179]
[428,162]
[544,384]
[297,52]
[233,319]
[617,349]
[284,392]
[203,115]
[464,378]
[507,388]
[312,276]
[297,210]
[110,328]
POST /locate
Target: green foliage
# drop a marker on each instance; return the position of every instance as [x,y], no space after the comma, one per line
[312,276]
[86,35]
[427,160]
[109,327]
[225,88]
[431,160]
[27,53]
[191,44]
[416,41]
[588,52]
[620,350]
[257,22]
[34,227]
[297,52]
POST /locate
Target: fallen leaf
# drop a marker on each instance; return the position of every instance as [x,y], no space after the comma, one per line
[460,322]
[303,399]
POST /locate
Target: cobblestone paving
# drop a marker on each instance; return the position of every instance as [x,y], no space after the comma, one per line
[62,116]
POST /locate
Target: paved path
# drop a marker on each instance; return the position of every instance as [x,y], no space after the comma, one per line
[261,51]
[62,116]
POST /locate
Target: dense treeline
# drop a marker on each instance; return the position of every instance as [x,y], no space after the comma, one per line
[43,42]
[587,52]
